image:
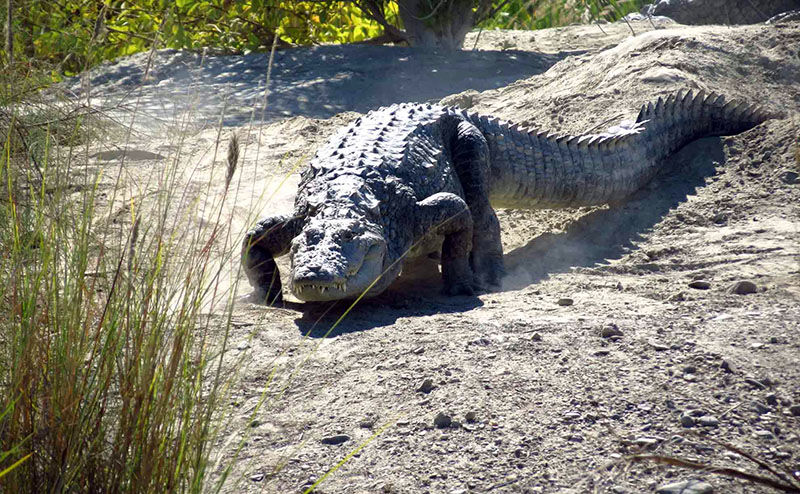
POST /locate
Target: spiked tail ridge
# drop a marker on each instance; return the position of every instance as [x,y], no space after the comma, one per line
[532,169]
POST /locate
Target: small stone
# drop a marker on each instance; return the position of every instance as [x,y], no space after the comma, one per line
[690,369]
[335,440]
[565,302]
[743,287]
[536,337]
[610,330]
[790,177]
[765,435]
[795,410]
[659,347]
[708,421]
[686,487]
[471,417]
[772,399]
[258,477]
[755,383]
[419,350]
[426,386]
[645,442]
[726,366]
[442,420]
[700,285]
[687,421]
[760,409]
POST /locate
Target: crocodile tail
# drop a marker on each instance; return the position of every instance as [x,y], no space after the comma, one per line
[534,169]
[683,117]
[618,163]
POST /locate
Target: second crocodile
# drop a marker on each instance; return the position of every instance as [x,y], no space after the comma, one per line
[414,180]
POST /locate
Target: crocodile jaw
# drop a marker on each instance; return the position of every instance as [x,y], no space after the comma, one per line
[360,277]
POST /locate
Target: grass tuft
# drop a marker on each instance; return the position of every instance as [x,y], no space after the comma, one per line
[107,366]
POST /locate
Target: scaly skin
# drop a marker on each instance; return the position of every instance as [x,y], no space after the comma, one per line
[410,180]
[696,12]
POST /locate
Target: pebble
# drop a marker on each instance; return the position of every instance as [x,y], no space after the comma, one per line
[700,285]
[687,421]
[755,383]
[258,477]
[726,366]
[645,442]
[426,386]
[766,435]
[760,409]
[442,420]
[471,417]
[536,337]
[335,440]
[795,410]
[690,369]
[686,487]
[743,287]
[565,302]
[790,177]
[708,421]
[772,399]
[610,330]
[659,347]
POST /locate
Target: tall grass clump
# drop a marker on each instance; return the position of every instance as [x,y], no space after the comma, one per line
[107,380]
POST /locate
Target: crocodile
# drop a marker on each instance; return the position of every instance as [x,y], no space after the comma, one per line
[695,12]
[412,180]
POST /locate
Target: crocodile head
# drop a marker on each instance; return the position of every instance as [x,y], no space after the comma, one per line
[336,259]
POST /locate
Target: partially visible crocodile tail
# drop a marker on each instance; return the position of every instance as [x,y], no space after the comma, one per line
[593,169]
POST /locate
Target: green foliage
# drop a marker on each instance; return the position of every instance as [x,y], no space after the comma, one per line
[542,14]
[72,35]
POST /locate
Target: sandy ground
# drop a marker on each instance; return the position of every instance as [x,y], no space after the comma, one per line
[596,348]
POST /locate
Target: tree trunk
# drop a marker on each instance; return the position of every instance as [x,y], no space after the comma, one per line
[9,32]
[437,23]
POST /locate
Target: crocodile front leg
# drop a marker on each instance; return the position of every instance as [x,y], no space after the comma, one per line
[447,214]
[270,238]
[470,157]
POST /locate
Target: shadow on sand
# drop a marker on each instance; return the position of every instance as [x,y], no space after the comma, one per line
[316,82]
[608,234]
[317,319]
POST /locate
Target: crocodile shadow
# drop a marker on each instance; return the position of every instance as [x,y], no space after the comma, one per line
[414,298]
[609,234]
